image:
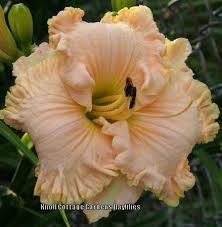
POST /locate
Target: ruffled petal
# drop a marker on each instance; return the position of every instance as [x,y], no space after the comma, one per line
[76,167]
[208,112]
[79,84]
[118,192]
[176,55]
[65,20]
[177,52]
[152,148]
[139,18]
[17,96]
[150,81]
[76,160]
[151,75]
[109,62]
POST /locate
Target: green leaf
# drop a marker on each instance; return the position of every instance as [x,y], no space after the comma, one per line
[9,156]
[215,173]
[23,168]
[65,219]
[119,4]
[211,165]
[6,132]
[20,176]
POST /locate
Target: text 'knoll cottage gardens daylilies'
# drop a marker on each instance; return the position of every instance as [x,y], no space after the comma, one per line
[112,110]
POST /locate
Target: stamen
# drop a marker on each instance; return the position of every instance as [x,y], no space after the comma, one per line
[108,107]
[113,108]
[107,99]
[133,95]
[109,114]
[130,91]
[128,87]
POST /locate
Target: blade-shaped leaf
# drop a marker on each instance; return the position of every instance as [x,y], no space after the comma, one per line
[216,172]
[6,132]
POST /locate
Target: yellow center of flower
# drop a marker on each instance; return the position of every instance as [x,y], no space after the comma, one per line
[115,107]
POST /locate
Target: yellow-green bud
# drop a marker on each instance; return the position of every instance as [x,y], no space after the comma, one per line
[21,24]
[8,49]
[119,4]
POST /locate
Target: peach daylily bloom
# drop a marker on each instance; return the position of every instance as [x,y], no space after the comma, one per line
[112,109]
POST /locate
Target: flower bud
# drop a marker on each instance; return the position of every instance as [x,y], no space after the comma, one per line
[21,24]
[119,4]
[8,48]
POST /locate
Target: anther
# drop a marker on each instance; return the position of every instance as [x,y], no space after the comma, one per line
[128,87]
[133,99]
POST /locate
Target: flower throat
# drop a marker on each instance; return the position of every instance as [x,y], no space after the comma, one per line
[115,107]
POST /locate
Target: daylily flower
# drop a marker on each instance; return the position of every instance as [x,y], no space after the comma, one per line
[112,109]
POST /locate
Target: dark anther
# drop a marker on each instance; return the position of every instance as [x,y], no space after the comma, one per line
[133,100]
[130,91]
[128,87]
[133,92]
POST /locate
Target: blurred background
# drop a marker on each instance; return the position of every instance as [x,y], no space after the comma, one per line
[198,20]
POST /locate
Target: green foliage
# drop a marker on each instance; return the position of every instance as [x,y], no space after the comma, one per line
[9,135]
[119,4]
